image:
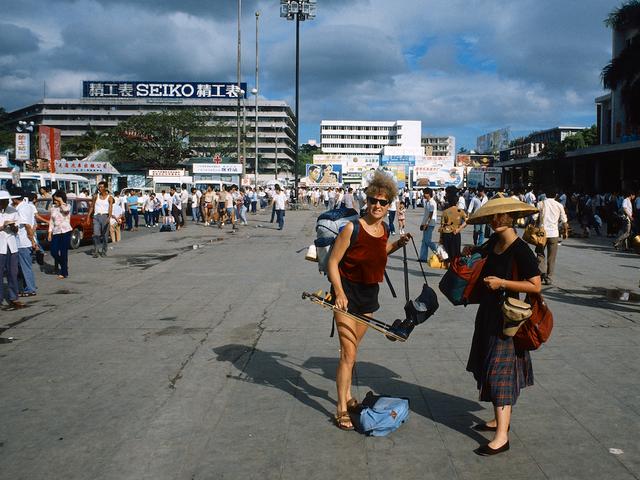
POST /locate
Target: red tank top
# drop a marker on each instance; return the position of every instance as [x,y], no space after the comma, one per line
[365,261]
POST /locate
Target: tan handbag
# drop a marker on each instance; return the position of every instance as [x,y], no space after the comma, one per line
[536,234]
[514,313]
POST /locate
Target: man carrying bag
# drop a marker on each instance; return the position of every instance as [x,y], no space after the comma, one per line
[551,213]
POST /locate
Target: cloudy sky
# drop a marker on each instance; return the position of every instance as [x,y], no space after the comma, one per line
[463,67]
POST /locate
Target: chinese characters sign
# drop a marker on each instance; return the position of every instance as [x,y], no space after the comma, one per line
[84,166]
[97,89]
[22,146]
[218,168]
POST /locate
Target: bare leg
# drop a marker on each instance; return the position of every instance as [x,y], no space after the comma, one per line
[503,418]
[350,333]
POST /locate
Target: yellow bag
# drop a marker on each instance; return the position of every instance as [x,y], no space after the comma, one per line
[434,262]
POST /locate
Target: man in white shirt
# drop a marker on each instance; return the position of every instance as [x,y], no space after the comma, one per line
[551,213]
[393,207]
[26,242]
[478,200]
[9,225]
[280,204]
[530,197]
[184,202]
[627,219]
[176,207]
[428,224]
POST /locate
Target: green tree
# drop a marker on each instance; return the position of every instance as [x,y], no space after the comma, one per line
[156,140]
[7,135]
[83,145]
[553,150]
[623,71]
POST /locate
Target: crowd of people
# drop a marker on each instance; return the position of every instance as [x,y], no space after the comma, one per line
[108,215]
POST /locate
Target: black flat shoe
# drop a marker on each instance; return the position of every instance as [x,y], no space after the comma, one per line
[486,450]
[483,427]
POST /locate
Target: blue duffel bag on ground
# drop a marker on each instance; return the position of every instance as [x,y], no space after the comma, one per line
[380,415]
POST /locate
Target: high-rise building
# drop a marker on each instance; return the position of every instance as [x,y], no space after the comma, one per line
[74,117]
[351,137]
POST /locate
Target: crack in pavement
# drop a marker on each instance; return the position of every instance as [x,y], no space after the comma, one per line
[173,380]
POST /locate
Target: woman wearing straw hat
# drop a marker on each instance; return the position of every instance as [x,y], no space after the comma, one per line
[498,368]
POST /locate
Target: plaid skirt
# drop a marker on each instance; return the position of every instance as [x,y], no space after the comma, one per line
[500,370]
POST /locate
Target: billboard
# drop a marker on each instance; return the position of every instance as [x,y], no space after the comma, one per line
[84,166]
[23,146]
[473,160]
[437,176]
[49,145]
[329,175]
[218,168]
[490,177]
[494,141]
[109,89]
[4,160]
[350,163]
[386,160]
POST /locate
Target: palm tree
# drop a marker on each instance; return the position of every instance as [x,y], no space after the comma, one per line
[624,70]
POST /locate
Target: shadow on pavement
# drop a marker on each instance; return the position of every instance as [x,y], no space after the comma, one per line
[275,370]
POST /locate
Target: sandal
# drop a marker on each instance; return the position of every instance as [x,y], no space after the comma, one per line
[27,294]
[352,404]
[343,421]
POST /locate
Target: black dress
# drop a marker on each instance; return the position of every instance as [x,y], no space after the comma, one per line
[499,369]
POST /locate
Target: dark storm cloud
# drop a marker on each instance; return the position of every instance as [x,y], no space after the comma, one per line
[15,40]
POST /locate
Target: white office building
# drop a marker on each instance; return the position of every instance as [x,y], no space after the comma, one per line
[351,137]
[439,146]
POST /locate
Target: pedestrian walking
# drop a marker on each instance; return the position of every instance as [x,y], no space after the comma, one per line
[149,210]
[59,235]
[184,203]
[402,212]
[195,204]
[26,242]
[355,271]
[476,202]
[499,369]
[452,223]
[551,214]
[626,218]
[132,208]
[9,256]
[428,224]
[393,208]
[115,222]
[176,207]
[280,201]
[101,209]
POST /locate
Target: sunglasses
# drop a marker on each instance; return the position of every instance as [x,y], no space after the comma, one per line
[373,201]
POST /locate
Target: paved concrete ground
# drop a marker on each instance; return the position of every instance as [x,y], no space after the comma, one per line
[167,362]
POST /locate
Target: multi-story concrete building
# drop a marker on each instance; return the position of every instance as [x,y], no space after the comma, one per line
[439,146]
[351,137]
[74,117]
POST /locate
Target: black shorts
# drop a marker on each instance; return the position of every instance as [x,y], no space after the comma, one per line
[363,298]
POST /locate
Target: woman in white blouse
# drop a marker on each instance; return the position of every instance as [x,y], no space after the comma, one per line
[60,232]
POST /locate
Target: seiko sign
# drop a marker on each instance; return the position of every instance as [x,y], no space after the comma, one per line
[199,90]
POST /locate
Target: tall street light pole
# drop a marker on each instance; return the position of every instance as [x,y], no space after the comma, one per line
[255,92]
[299,10]
[239,89]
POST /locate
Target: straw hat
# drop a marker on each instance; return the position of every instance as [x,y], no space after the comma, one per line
[509,205]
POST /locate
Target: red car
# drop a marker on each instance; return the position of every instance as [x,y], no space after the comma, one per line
[79,209]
